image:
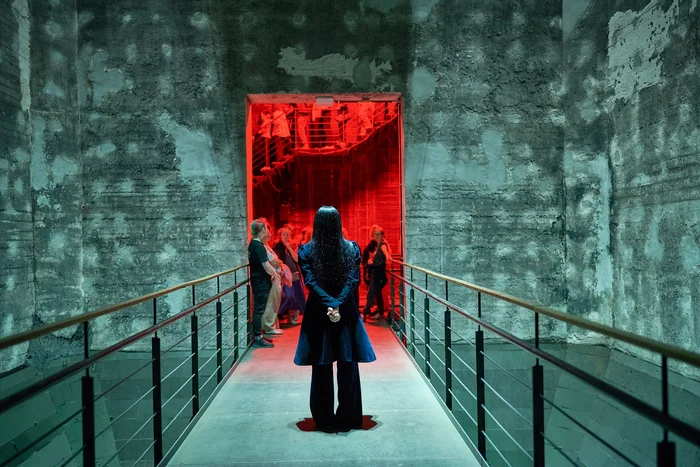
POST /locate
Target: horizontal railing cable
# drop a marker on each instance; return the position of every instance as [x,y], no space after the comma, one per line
[150,446]
[454,354]
[26,336]
[455,377]
[124,412]
[130,439]
[497,394]
[183,339]
[506,432]
[177,391]
[504,370]
[493,445]
[177,367]
[186,405]
[59,376]
[591,432]
[670,351]
[679,427]
[123,380]
[456,399]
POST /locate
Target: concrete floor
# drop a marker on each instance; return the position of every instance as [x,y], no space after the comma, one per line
[260,415]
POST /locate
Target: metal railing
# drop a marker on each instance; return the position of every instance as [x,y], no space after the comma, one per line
[240,307]
[333,130]
[409,317]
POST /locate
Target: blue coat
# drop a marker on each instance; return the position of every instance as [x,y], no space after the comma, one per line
[321,341]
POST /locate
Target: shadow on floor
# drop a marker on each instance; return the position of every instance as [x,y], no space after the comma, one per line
[308,425]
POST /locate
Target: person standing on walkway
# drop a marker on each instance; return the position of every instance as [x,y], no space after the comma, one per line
[270,323]
[332,330]
[294,300]
[262,275]
[377,267]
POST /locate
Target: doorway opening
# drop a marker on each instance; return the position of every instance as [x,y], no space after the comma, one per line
[344,150]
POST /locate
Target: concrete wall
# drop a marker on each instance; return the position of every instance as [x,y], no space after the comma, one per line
[484,185]
[16,232]
[653,53]
[631,84]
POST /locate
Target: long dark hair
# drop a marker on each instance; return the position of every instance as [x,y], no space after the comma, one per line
[331,253]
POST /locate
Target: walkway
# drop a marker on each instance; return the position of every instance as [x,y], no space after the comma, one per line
[253,420]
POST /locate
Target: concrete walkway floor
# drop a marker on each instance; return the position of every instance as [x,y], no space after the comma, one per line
[259,416]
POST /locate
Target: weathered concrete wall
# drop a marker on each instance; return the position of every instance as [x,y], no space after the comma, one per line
[164,182]
[55,169]
[586,163]
[484,139]
[653,72]
[16,234]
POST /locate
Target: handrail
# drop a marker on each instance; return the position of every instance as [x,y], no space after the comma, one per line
[25,336]
[64,373]
[669,351]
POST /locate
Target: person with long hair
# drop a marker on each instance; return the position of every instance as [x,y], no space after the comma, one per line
[332,330]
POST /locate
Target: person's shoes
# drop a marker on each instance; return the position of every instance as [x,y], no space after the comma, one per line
[327,429]
[294,317]
[274,332]
[262,343]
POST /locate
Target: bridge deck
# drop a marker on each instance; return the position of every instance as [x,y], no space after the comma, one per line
[258,417]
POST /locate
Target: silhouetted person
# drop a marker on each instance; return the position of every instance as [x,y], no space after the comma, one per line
[262,273]
[377,268]
[332,330]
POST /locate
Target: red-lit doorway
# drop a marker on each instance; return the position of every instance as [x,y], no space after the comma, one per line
[345,150]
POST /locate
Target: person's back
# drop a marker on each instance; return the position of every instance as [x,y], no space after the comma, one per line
[332,330]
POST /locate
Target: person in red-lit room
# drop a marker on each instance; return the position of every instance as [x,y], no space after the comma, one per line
[302,115]
[294,301]
[270,322]
[306,234]
[262,276]
[318,135]
[365,116]
[280,131]
[265,134]
[377,264]
[332,330]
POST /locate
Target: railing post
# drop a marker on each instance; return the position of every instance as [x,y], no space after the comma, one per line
[236,337]
[538,414]
[249,315]
[412,312]
[157,401]
[448,352]
[390,315]
[538,403]
[665,450]
[88,393]
[195,364]
[426,335]
[219,344]
[480,394]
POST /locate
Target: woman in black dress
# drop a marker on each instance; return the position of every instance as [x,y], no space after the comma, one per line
[332,330]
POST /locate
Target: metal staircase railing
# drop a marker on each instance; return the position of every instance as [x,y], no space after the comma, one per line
[412,317]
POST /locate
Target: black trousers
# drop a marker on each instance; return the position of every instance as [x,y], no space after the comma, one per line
[349,413]
[261,291]
[376,284]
